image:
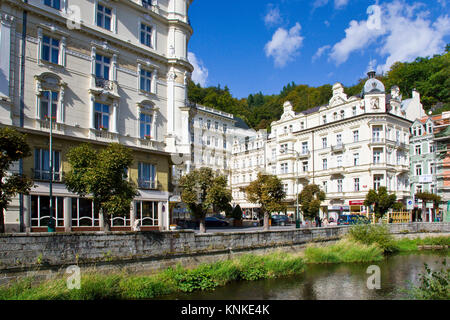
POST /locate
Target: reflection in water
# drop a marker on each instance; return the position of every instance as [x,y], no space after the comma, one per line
[331,282]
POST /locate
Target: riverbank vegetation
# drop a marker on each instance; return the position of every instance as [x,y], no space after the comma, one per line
[434,285]
[95,286]
[364,243]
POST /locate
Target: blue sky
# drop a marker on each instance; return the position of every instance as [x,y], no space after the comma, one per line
[258,45]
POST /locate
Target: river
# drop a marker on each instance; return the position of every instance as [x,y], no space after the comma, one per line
[332,281]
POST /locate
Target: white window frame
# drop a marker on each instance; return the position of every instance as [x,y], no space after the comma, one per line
[356,184]
[147,20]
[53,33]
[113,15]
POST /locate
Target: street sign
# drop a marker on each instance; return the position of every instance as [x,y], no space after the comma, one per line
[409,204]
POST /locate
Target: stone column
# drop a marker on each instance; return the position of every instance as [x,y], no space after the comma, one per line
[27,212]
[132,214]
[67,214]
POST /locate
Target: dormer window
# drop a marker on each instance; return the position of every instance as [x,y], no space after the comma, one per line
[430,128]
[419,131]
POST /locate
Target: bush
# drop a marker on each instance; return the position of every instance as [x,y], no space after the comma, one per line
[344,251]
[434,285]
[373,234]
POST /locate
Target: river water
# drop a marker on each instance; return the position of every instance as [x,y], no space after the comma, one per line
[332,281]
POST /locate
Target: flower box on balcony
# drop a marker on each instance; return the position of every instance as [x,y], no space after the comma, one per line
[147,137]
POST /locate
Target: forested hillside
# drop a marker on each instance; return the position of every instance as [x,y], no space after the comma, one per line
[430,76]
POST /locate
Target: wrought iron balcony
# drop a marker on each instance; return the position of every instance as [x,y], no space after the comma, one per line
[104,83]
[146,184]
[45,175]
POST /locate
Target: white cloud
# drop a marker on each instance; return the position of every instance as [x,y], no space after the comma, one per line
[320,52]
[401,32]
[200,74]
[284,45]
[338,4]
[273,17]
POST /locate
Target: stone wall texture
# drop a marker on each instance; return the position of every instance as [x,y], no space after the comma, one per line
[21,253]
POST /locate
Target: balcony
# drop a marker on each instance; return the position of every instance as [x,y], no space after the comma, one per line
[44,125]
[304,154]
[337,170]
[286,137]
[338,147]
[401,145]
[286,155]
[150,144]
[377,141]
[101,85]
[104,135]
[44,175]
[146,184]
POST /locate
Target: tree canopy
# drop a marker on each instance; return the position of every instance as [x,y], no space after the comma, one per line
[310,200]
[102,175]
[13,147]
[429,75]
[381,201]
[202,190]
[267,191]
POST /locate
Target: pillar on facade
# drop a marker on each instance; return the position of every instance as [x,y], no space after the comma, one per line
[67,214]
[133,215]
[27,213]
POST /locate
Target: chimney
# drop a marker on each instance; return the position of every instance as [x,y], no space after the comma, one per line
[415,94]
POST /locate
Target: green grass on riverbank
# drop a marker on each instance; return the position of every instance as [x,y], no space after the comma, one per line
[344,251]
[125,286]
[96,286]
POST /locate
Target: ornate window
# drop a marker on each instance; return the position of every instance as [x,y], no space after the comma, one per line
[50,97]
[147,117]
[51,46]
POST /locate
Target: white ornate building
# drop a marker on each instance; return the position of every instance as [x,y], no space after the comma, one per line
[104,71]
[347,147]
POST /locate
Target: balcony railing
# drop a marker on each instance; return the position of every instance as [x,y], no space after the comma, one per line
[338,147]
[45,175]
[104,83]
[146,184]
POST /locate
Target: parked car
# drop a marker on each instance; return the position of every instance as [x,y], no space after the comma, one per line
[351,219]
[280,220]
[215,222]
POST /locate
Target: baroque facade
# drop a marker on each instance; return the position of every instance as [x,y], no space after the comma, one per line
[99,72]
[347,147]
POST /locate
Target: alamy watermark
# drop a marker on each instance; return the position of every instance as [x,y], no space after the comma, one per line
[374,280]
[74,280]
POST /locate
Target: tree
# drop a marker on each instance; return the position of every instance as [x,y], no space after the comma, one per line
[310,199]
[427,197]
[202,190]
[103,176]
[381,201]
[236,214]
[267,191]
[13,147]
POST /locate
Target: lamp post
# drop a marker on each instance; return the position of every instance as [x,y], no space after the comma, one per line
[51,227]
[297,217]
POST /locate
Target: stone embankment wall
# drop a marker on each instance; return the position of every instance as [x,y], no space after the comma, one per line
[150,251]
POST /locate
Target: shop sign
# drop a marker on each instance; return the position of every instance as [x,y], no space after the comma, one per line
[357,203]
[426,178]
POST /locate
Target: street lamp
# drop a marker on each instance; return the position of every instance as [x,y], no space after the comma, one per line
[51,226]
[297,216]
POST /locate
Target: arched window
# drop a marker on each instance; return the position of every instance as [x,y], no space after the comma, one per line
[50,98]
